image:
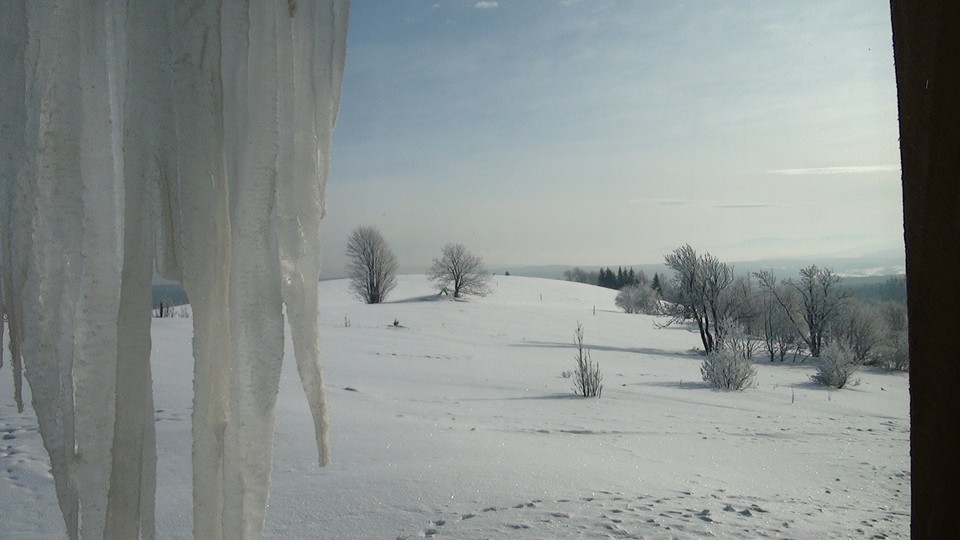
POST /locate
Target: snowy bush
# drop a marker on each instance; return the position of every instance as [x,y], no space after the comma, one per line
[836,365]
[587,379]
[738,340]
[859,328]
[895,357]
[894,353]
[637,299]
[728,370]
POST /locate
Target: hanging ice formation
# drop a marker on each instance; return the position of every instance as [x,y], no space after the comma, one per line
[187,136]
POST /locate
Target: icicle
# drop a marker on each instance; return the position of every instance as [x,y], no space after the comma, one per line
[13,39]
[312,62]
[251,76]
[47,234]
[203,245]
[146,154]
[102,86]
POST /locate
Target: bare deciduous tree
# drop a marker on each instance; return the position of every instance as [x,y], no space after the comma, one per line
[859,328]
[894,351]
[697,292]
[372,266]
[776,330]
[820,301]
[460,272]
[580,275]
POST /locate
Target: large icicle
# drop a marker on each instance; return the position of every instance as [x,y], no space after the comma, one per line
[202,247]
[147,154]
[312,56]
[102,86]
[251,74]
[47,234]
[13,39]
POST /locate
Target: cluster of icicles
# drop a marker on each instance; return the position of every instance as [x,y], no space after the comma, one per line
[186,137]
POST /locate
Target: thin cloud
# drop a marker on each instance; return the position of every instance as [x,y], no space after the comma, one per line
[486,4]
[687,202]
[660,202]
[745,205]
[861,169]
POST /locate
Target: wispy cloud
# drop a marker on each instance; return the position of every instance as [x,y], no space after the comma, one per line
[486,4]
[704,203]
[857,169]
[744,205]
[660,202]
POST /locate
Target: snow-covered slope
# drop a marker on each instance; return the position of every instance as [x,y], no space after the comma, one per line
[458,424]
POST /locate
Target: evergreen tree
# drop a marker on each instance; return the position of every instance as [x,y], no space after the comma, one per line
[607,278]
[656,285]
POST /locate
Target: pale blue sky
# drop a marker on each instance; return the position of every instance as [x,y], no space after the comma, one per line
[610,132]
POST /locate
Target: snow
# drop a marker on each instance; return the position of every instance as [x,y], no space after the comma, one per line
[457,424]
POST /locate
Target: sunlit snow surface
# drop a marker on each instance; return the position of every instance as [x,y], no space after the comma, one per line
[457,424]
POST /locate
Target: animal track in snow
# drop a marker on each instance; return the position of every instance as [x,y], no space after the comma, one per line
[606,514]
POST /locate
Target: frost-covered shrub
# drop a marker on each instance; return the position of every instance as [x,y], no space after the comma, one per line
[859,328]
[587,379]
[895,352]
[835,366]
[738,340]
[895,356]
[637,299]
[728,370]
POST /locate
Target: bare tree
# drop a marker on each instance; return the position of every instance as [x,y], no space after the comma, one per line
[820,301]
[894,351]
[741,303]
[776,330]
[580,275]
[459,271]
[859,328]
[697,292]
[372,266]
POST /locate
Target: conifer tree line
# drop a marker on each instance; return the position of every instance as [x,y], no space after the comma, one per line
[606,277]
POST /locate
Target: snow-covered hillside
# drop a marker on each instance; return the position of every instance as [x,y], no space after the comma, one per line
[457,424]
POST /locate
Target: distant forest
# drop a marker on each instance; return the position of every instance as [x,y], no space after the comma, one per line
[606,277]
[893,289]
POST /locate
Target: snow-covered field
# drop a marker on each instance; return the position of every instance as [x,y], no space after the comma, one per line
[458,424]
